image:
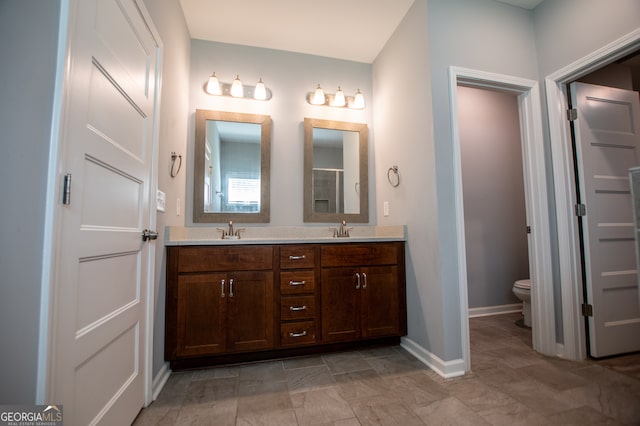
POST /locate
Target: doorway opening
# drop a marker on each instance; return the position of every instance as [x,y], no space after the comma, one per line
[533,161]
[605,133]
[574,345]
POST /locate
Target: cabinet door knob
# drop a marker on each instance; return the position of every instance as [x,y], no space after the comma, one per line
[231,287]
[364,275]
[221,288]
[357,281]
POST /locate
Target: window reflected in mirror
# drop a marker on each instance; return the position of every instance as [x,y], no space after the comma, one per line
[231,167]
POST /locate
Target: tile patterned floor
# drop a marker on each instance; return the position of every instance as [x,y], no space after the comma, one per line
[509,385]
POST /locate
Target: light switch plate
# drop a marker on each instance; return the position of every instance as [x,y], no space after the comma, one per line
[385,208]
[161,201]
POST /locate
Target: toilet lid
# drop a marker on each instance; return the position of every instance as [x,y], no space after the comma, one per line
[524,284]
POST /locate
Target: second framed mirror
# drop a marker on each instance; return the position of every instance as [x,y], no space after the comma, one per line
[336,174]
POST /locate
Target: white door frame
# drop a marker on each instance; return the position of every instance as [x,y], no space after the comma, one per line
[565,197]
[533,160]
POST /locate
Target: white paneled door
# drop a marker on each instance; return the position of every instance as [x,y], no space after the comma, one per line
[98,369]
[607,135]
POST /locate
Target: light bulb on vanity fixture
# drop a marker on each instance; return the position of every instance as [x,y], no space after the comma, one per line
[236,89]
[338,100]
[318,96]
[358,100]
[260,92]
[213,86]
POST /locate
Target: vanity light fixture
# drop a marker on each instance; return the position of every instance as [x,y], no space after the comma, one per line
[338,100]
[236,89]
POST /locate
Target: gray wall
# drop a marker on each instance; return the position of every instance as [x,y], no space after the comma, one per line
[169,21]
[28,43]
[290,76]
[404,137]
[493,188]
[482,35]
[567,30]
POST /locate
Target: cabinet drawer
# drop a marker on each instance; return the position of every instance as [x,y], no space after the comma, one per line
[293,282]
[298,333]
[297,256]
[210,259]
[297,307]
[359,254]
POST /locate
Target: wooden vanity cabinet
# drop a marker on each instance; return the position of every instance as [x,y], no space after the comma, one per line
[363,291]
[247,302]
[219,300]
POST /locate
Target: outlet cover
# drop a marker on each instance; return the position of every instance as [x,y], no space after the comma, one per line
[161,201]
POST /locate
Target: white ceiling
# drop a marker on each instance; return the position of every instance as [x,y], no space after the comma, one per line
[354,30]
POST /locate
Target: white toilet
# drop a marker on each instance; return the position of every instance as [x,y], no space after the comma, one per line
[522,289]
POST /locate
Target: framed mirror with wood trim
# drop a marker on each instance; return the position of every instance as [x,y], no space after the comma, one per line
[232,160]
[336,173]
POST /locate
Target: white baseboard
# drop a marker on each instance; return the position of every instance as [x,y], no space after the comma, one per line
[160,380]
[446,369]
[494,310]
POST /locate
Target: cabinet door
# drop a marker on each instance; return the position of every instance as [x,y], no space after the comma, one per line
[340,304]
[201,316]
[380,301]
[251,310]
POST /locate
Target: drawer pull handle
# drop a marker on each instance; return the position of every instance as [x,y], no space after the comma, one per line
[298,308]
[357,281]
[294,283]
[300,334]
[364,275]
[300,257]
[231,287]
[221,288]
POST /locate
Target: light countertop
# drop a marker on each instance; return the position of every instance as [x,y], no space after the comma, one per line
[190,236]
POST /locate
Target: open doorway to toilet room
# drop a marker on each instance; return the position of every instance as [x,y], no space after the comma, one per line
[494,252]
[495,219]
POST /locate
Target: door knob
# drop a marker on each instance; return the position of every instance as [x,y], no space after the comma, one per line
[149,235]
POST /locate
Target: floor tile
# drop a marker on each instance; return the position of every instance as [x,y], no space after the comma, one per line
[509,384]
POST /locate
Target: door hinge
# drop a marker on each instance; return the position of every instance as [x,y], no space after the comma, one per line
[528,229]
[581,210]
[572,114]
[587,310]
[66,189]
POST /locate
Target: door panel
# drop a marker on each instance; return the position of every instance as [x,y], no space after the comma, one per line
[251,311]
[340,304]
[607,134]
[202,313]
[380,304]
[99,343]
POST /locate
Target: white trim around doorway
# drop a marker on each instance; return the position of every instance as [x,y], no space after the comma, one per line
[574,346]
[527,91]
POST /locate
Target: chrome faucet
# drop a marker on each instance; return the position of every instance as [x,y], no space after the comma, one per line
[229,233]
[343,231]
